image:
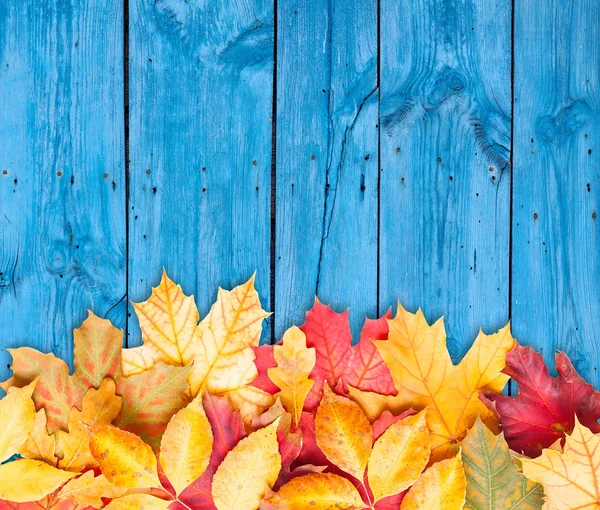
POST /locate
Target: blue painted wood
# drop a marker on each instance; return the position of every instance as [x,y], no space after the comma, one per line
[556,245]
[445,176]
[62,186]
[327,151]
[201,80]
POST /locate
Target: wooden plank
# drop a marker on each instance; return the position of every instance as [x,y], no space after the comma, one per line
[556,267]
[327,150]
[201,80]
[62,185]
[445,176]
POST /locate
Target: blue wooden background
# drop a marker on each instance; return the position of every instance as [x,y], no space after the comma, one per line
[443,152]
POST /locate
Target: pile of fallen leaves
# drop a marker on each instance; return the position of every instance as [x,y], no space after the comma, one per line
[201,417]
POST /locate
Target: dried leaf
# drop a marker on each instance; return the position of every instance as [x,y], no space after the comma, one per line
[441,487]
[343,433]
[250,402]
[492,478]
[294,364]
[87,490]
[399,456]
[17,414]
[545,407]
[571,478]
[29,480]
[123,457]
[318,491]
[98,407]
[39,444]
[186,446]
[138,502]
[253,465]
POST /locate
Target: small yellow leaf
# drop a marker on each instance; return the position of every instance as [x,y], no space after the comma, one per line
[186,445]
[250,402]
[29,480]
[295,362]
[399,456]
[39,444]
[223,358]
[343,433]
[138,502]
[17,414]
[123,457]
[247,471]
[571,478]
[168,321]
[442,487]
[88,490]
[98,407]
[319,491]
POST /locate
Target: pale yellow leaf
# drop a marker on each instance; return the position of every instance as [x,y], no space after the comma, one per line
[138,502]
[295,362]
[98,407]
[88,490]
[343,433]
[39,444]
[319,491]
[123,457]
[17,414]
[186,445]
[168,321]
[251,402]
[248,469]
[570,478]
[29,480]
[399,456]
[442,487]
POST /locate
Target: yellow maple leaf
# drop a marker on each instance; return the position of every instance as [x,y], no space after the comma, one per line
[251,467]
[29,480]
[442,487]
[123,457]
[17,415]
[399,456]
[571,477]
[39,445]
[186,445]
[98,407]
[295,362]
[87,490]
[424,376]
[318,491]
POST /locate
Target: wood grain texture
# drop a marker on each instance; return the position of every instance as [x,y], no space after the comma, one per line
[445,140]
[327,150]
[200,146]
[556,245]
[62,186]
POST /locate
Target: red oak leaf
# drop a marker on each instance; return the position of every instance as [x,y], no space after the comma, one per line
[545,406]
[338,362]
[265,359]
[228,429]
[386,419]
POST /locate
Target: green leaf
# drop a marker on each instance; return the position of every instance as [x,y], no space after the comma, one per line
[493,480]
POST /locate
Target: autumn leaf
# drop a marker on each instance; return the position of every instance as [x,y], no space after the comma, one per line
[39,445]
[294,364]
[316,491]
[545,407]
[17,415]
[424,376]
[98,407]
[250,402]
[30,480]
[493,480]
[123,457]
[138,502]
[441,487]
[340,363]
[264,360]
[571,478]
[186,446]
[248,469]
[344,433]
[399,456]
[87,490]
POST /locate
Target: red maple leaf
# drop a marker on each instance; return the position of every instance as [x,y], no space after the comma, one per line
[545,406]
[339,362]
